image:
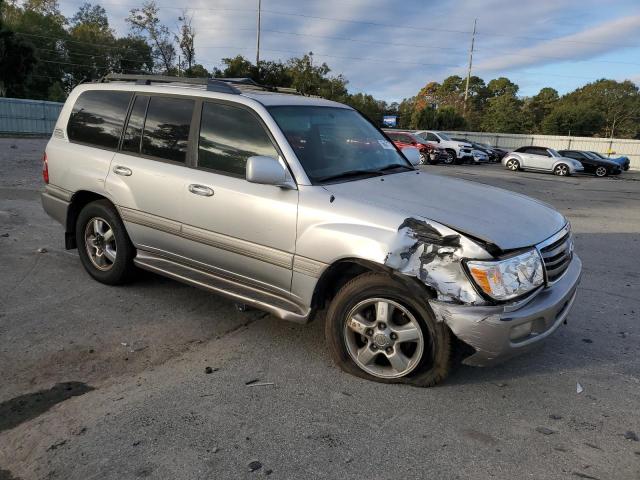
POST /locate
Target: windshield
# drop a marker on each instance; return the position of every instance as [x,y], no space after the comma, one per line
[335,143]
[553,152]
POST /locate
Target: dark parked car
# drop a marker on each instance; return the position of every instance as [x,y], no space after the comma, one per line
[428,153]
[622,161]
[598,166]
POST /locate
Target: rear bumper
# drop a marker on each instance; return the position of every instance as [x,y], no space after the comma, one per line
[55,207]
[500,332]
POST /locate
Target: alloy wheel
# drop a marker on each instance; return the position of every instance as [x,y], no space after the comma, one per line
[601,171]
[100,243]
[383,338]
[561,170]
[512,165]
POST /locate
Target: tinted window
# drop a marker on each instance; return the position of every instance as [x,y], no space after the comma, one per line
[166,130]
[133,133]
[405,138]
[97,118]
[432,138]
[522,149]
[228,136]
[393,136]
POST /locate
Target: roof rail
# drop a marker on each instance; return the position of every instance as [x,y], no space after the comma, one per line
[222,85]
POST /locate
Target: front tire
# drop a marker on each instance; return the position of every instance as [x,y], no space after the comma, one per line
[601,171]
[561,170]
[451,157]
[375,329]
[105,250]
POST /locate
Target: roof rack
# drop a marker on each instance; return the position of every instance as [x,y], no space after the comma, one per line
[222,85]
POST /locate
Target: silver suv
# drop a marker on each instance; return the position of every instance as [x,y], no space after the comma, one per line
[541,159]
[299,205]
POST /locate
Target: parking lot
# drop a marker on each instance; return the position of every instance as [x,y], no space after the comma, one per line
[142,405]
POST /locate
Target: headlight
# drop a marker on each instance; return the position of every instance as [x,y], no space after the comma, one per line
[462,145]
[508,278]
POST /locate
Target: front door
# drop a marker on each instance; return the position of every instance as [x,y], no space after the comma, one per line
[242,228]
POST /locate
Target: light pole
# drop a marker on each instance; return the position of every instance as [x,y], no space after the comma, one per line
[258,37]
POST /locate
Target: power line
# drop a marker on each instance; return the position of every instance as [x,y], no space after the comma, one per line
[378,24]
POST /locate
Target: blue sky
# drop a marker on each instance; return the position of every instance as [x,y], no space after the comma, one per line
[391,49]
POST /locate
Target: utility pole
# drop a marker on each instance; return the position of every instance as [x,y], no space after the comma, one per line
[466,89]
[258,37]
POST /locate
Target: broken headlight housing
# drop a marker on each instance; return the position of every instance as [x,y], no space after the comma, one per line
[510,277]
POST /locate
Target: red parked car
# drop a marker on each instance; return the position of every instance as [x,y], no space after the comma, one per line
[428,153]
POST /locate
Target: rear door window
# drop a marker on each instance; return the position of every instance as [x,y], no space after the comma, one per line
[166,128]
[133,134]
[97,118]
[228,136]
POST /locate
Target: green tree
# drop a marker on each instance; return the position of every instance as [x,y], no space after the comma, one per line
[56,93]
[502,86]
[17,59]
[503,115]
[573,119]
[539,106]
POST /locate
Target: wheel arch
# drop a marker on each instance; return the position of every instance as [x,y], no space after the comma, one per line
[79,200]
[344,270]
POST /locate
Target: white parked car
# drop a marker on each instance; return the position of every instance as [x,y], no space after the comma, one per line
[457,152]
[541,159]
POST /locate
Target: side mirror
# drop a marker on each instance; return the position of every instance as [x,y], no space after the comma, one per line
[412,154]
[268,171]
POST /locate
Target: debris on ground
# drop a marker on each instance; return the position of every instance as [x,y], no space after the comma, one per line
[209,370]
[5,235]
[252,381]
[56,445]
[555,416]
[255,465]
[629,435]
[42,250]
[587,340]
[579,388]
[545,430]
[262,384]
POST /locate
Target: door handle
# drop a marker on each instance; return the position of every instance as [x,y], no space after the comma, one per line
[120,170]
[200,190]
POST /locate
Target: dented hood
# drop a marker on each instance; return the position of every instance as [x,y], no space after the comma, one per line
[507,219]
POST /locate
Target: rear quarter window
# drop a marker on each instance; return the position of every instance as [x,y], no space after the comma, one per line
[97,118]
[166,128]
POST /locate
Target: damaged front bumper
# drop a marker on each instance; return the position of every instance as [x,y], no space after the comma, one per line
[501,331]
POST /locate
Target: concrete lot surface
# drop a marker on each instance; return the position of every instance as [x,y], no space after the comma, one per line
[110,382]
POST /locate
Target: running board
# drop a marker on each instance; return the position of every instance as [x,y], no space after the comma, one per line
[275,304]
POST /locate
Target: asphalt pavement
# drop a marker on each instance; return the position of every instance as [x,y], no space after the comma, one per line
[160,380]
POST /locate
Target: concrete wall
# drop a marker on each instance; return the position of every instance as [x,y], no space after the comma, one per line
[28,117]
[511,141]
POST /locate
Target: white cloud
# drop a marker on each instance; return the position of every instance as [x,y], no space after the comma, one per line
[604,38]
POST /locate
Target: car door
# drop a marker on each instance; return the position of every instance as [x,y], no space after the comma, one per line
[540,159]
[148,173]
[241,228]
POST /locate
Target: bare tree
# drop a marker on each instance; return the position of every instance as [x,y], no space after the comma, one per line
[185,39]
[145,21]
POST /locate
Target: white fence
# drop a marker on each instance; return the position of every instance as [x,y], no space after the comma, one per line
[614,147]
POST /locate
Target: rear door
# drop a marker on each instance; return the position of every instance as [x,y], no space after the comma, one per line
[148,174]
[242,228]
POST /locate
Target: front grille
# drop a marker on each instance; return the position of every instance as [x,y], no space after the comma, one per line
[557,256]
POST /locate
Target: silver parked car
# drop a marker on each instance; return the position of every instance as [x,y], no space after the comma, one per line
[299,205]
[541,159]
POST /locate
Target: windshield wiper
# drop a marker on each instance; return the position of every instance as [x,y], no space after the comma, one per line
[348,174]
[394,165]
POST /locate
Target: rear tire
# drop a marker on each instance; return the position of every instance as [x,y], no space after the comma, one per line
[601,171]
[513,165]
[105,250]
[397,343]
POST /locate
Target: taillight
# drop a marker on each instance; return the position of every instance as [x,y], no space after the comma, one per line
[45,168]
